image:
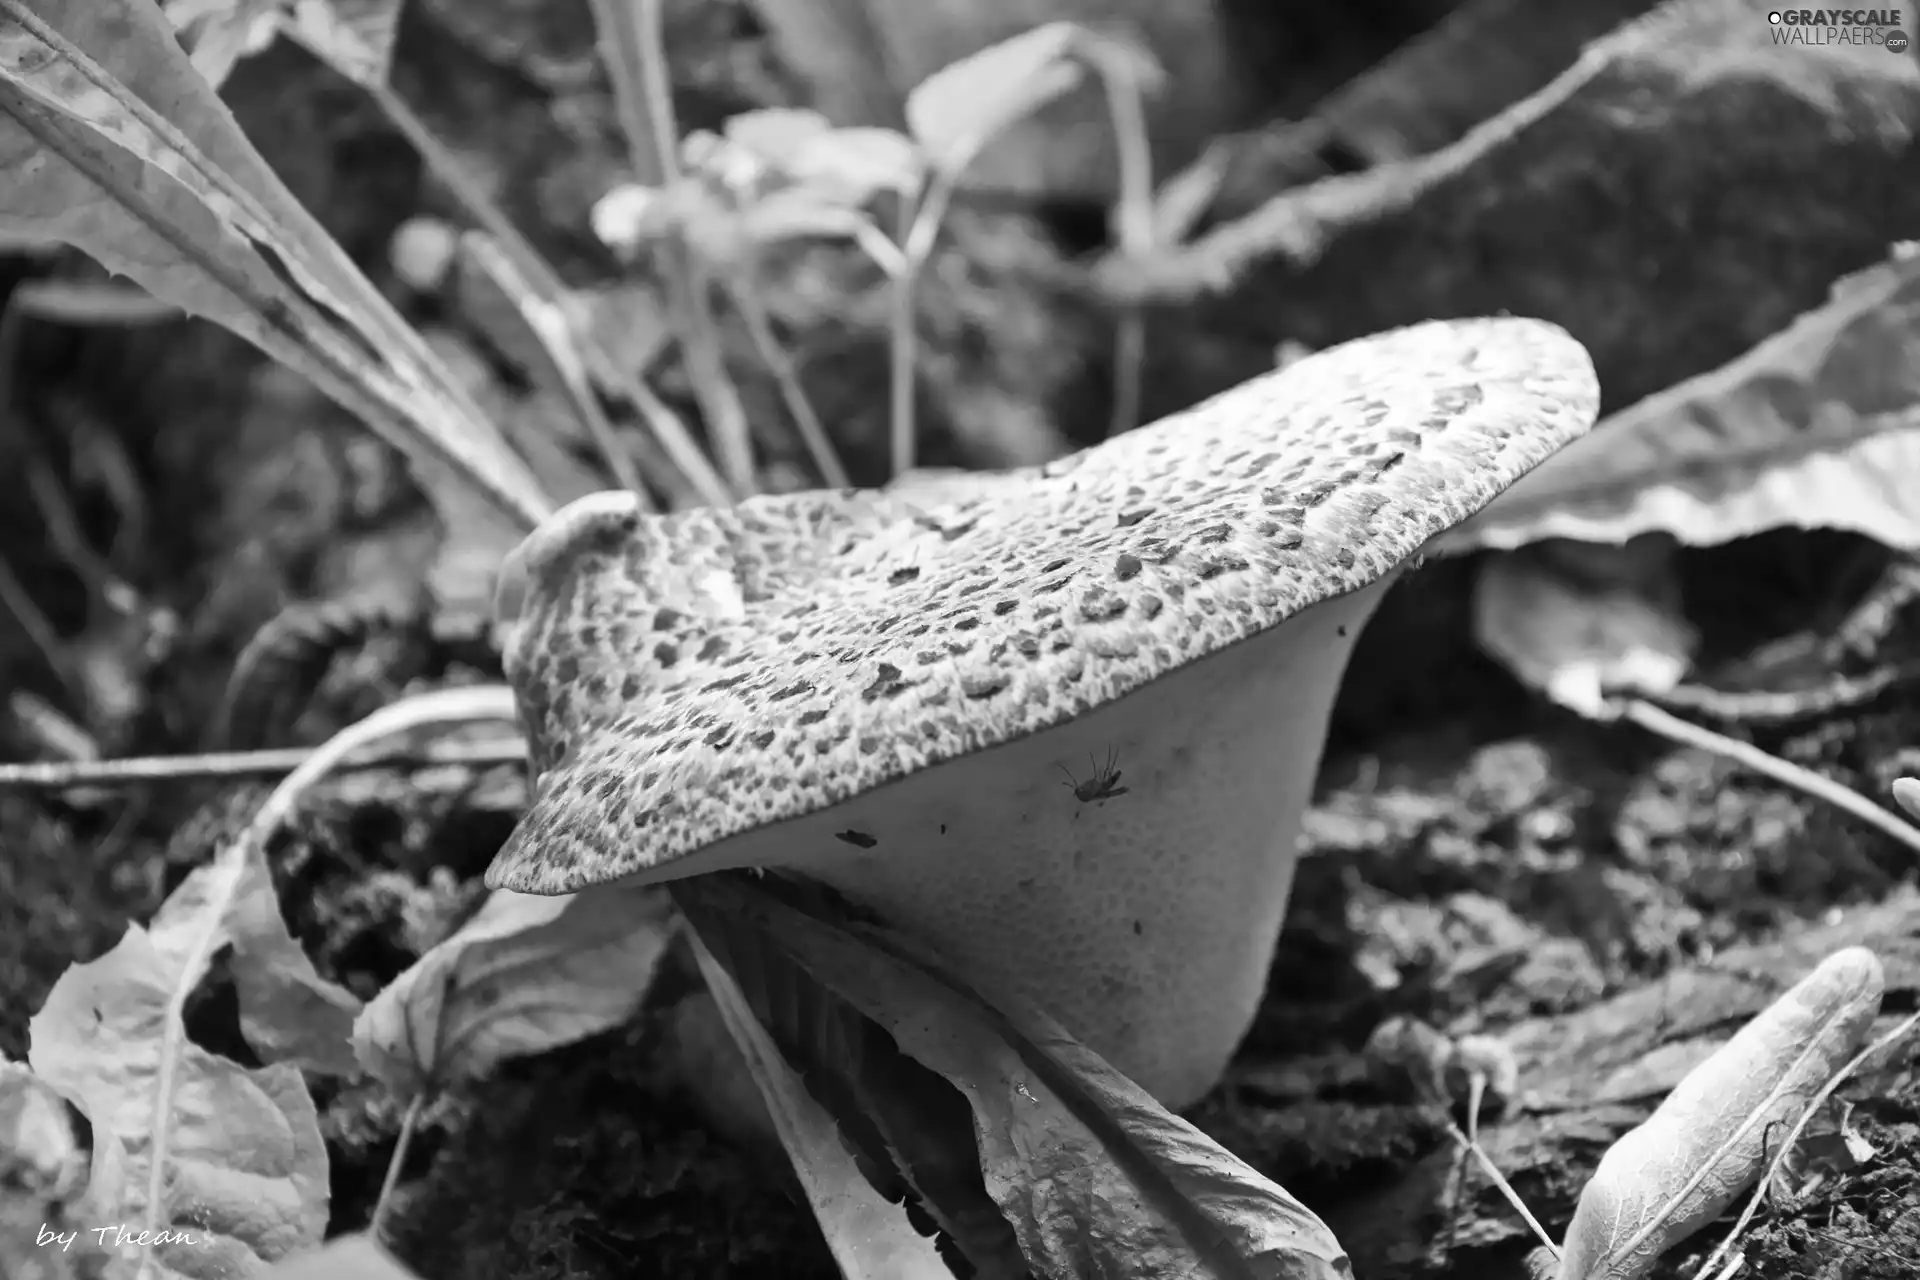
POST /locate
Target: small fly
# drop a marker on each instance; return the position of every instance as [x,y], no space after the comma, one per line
[1104,785]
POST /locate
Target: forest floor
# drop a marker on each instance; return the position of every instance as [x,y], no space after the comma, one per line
[1477,858]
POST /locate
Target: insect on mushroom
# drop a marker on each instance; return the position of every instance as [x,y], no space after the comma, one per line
[1185,596]
[1104,785]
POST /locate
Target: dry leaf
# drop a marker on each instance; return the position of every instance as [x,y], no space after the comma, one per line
[1813,428]
[1709,1140]
[1093,1176]
[525,974]
[1579,621]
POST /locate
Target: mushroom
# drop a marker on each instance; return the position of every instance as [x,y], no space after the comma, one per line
[1058,723]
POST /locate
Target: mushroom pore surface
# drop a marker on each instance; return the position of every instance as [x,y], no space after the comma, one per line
[920,699]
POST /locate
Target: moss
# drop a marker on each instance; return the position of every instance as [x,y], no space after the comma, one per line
[569,1166]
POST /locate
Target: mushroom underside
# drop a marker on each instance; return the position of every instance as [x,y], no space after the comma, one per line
[1127,870]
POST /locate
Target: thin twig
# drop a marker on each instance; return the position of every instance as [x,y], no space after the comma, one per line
[64,775]
[377,1225]
[1650,717]
[1505,1188]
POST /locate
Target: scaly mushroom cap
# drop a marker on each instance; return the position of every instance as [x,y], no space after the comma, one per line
[922,698]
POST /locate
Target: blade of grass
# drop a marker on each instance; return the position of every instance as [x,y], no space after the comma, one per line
[633,49]
[182,203]
[545,283]
[563,370]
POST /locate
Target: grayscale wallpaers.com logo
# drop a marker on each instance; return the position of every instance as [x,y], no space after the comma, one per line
[1839,26]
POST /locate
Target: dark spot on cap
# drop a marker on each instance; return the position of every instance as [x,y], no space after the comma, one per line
[984,684]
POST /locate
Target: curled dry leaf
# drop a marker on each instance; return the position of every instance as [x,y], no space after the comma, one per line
[246,1179]
[1828,1146]
[1580,620]
[1709,1140]
[43,1170]
[38,1149]
[1813,428]
[288,1012]
[525,974]
[1092,1175]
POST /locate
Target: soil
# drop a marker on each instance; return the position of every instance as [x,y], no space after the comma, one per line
[1478,860]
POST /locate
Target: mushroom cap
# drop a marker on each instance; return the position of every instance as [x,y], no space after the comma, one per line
[772,685]
[687,677]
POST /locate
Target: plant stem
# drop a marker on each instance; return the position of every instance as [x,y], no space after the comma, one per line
[1648,716]
[671,434]
[377,1226]
[1133,223]
[553,332]
[812,434]
[922,227]
[643,91]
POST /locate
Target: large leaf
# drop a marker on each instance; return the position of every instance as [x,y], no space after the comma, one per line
[1817,427]
[110,141]
[246,1177]
[524,975]
[1092,1175]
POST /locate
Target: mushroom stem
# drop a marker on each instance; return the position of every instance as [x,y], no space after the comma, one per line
[1144,923]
